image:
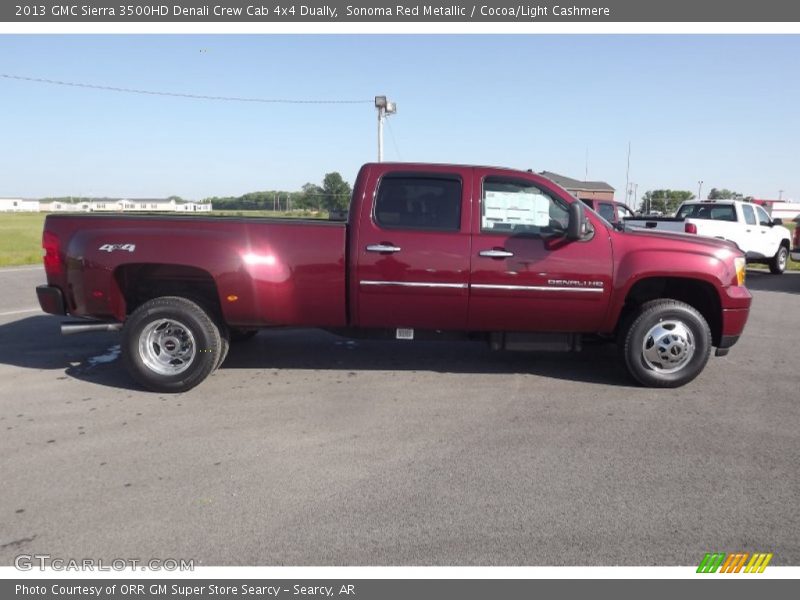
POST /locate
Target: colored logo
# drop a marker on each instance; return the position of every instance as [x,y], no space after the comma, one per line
[734,562]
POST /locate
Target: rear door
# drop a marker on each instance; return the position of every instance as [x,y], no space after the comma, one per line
[525,275]
[414,248]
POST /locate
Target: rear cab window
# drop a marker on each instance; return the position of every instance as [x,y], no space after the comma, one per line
[713,212]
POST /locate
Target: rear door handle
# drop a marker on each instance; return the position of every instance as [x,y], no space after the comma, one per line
[383,247]
[496,253]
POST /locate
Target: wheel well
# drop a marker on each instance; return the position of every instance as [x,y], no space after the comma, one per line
[785,244]
[698,294]
[139,283]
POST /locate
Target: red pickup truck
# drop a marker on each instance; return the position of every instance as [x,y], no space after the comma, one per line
[429,250]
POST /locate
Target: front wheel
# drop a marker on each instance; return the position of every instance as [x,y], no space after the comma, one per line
[170,344]
[667,344]
[777,264]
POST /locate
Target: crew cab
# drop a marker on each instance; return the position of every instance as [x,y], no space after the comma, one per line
[762,239]
[428,250]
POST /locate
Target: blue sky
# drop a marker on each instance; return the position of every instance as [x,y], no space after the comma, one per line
[719,108]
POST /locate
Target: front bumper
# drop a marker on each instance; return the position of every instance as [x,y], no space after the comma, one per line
[51,299]
[796,253]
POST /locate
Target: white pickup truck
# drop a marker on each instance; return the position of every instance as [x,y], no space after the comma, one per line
[762,239]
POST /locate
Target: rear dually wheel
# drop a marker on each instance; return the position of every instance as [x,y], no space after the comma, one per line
[170,344]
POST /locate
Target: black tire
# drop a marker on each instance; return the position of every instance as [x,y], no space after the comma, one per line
[224,345]
[242,335]
[170,344]
[667,344]
[777,264]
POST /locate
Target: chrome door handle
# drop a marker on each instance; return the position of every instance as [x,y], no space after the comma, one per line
[382,248]
[496,253]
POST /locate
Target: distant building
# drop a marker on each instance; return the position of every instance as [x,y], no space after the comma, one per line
[18,205]
[780,209]
[104,205]
[585,190]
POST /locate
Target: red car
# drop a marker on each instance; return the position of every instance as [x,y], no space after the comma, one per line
[507,256]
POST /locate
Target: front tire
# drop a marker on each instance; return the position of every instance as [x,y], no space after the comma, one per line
[667,344]
[777,264]
[170,344]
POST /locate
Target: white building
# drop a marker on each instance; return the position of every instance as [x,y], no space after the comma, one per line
[104,205]
[147,205]
[18,205]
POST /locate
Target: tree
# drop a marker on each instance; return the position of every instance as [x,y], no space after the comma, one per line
[666,201]
[726,194]
[336,192]
[310,196]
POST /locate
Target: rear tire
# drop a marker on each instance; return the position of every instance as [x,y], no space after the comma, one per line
[170,344]
[667,344]
[777,264]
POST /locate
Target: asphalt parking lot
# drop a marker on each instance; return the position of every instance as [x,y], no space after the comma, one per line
[306,449]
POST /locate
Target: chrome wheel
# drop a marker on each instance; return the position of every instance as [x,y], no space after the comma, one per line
[668,346]
[782,256]
[167,347]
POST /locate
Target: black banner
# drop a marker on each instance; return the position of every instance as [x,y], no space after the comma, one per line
[310,11]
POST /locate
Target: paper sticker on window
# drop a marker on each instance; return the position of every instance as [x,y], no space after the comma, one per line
[516,208]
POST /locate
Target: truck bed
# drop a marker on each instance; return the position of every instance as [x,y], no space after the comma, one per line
[264,272]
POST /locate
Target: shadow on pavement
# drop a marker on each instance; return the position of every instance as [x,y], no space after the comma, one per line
[36,343]
[765,281]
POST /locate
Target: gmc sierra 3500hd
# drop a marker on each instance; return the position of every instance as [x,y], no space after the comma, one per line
[479,252]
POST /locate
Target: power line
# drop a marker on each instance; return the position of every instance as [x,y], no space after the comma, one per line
[394,141]
[109,88]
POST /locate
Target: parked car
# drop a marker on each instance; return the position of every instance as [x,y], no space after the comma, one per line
[762,239]
[796,241]
[428,251]
[611,210]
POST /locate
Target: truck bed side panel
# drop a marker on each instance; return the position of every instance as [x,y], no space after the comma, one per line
[266,271]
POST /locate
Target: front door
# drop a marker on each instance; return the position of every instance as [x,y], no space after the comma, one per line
[525,274]
[413,250]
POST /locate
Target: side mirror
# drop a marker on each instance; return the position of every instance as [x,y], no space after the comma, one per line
[577,218]
[777,221]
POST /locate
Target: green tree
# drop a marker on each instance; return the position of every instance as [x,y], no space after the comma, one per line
[664,201]
[336,192]
[311,197]
[726,194]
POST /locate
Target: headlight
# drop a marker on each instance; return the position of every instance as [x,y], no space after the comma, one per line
[741,268]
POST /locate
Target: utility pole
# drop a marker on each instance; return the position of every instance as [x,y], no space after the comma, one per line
[700,190]
[627,176]
[780,195]
[385,108]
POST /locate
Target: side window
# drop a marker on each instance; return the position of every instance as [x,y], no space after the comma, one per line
[749,214]
[624,211]
[763,217]
[606,211]
[419,202]
[511,205]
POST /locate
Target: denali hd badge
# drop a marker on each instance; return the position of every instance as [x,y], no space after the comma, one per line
[112,247]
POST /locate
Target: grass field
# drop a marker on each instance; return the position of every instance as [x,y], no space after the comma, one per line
[21,233]
[20,238]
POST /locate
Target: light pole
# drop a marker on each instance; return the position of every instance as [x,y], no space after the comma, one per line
[700,190]
[385,108]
